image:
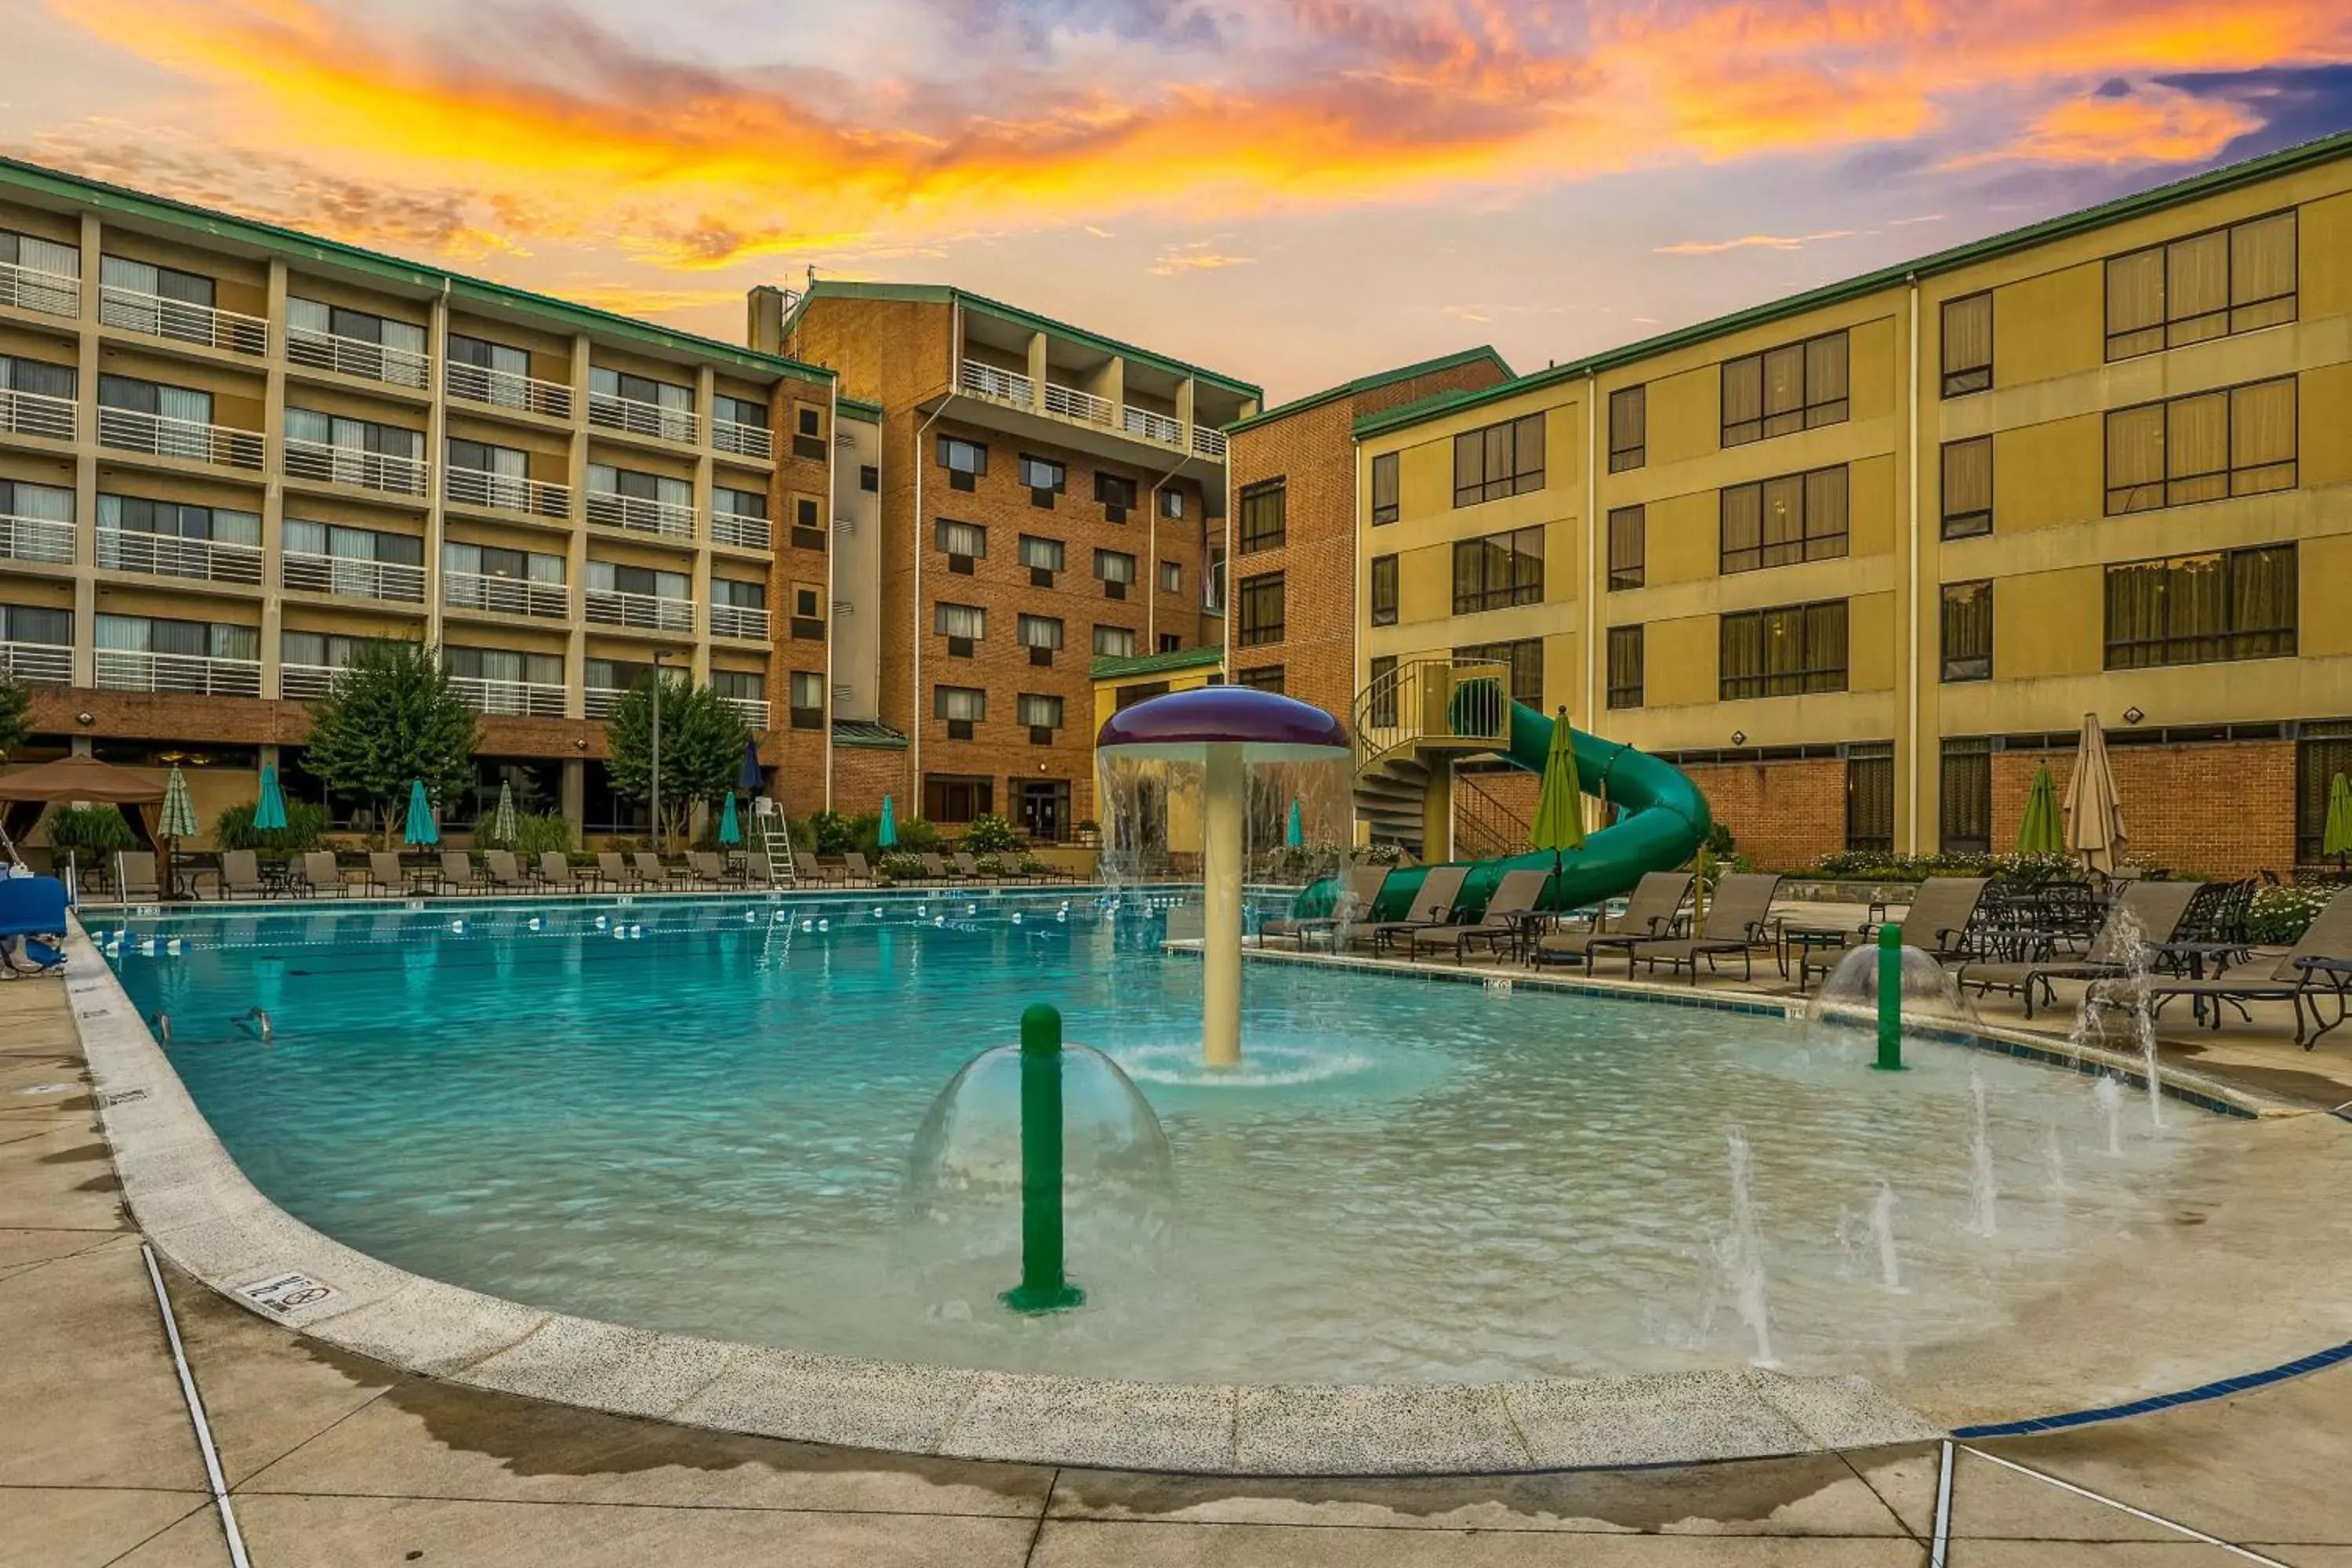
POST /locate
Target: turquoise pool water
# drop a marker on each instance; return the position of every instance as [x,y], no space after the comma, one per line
[698,1117]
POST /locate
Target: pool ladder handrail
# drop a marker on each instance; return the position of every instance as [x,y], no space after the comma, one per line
[257,1015]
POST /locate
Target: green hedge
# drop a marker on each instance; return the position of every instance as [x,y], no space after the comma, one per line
[89,833]
[305,829]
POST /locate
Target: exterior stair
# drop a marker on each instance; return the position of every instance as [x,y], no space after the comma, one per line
[1412,719]
[772,842]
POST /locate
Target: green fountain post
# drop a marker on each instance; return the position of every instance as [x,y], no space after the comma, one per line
[1890,998]
[1043,1287]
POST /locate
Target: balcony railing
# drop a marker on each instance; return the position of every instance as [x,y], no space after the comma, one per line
[506,492]
[193,674]
[129,430]
[616,511]
[1003,386]
[306,682]
[35,289]
[511,698]
[169,555]
[1153,426]
[598,702]
[751,440]
[36,539]
[1209,443]
[1071,403]
[136,311]
[506,595]
[331,464]
[37,414]
[504,389]
[754,710]
[357,356]
[617,412]
[49,663]
[734,528]
[341,575]
[644,612]
[738,620]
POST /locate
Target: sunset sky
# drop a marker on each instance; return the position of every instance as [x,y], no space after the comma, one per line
[1292,190]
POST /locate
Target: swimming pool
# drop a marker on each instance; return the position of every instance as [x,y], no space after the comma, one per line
[696,1117]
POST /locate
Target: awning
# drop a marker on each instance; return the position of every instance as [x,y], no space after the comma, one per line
[80,778]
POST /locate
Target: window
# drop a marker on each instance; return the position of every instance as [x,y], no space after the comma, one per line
[1797,386]
[37,504]
[965,461]
[136,515]
[1525,658]
[1625,648]
[1127,697]
[808,532]
[2235,279]
[1967,488]
[961,625]
[2197,609]
[1115,570]
[503,665]
[1967,345]
[741,593]
[1384,589]
[1170,642]
[2325,751]
[869,478]
[1964,815]
[1500,460]
[1388,488]
[611,578]
[807,698]
[1044,478]
[604,480]
[1171,577]
[1040,711]
[1967,631]
[1171,504]
[1116,494]
[963,543]
[1783,651]
[1044,632]
[962,706]
[668,410]
[38,625]
[505,375]
[808,599]
[808,432]
[740,410]
[1261,610]
[1781,521]
[356,341]
[1043,556]
[1114,642]
[42,379]
[1499,570]
[2239,441]
[1264,513]
[1380,707]
[1629,544]
[1869,796]
[1629,428]
[1264,677]
[490,561]
[950,799]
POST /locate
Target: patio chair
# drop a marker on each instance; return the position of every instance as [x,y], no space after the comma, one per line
[710,870]
[652,875]
[807,867]
[320,874]
[1937,922]
[503,872]
[969,868]
[240,875]
[1652,911]
[937,869]
[853,868]
[1436,896]
[2148,913]
[32,925]
[614,872]
[2316,970]
[135,877]
[385,873]
[1514,897]
[1354,901]
[555,873]
[459,874]
[1735,921]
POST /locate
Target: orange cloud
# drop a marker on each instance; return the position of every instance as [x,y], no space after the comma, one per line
[1753,242]
[2153,125]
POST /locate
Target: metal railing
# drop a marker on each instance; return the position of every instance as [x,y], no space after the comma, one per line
[1207,442]
[738,620]
[1457,703]
[1071,403]
[506,595]
[1001,385]
[754,710]
[1153,426]
[37,289]
[37,414]
[191,674]
[646,612]
[614,509]
[385,471]
[506,492]
[734,528]
[50,663]
[1483,827]
[357,356]
[357,579]
[506,389]
[598,702]
[129,430]
[169,555]
[306,682]
[751,440]
[36,539]
[614,412]
[510,698]
[136,310]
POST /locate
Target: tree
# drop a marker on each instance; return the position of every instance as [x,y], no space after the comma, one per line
[393,715]
[15,712]
[702,741]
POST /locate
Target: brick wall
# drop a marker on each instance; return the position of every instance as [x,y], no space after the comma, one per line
[796,757]
[862,775]
[2224,810]
[1782,815]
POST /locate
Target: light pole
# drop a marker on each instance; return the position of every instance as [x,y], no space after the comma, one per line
[654,789]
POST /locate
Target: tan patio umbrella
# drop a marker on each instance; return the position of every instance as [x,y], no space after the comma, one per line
[2095,816]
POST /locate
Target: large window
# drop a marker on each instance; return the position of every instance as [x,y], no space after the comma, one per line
[1525,657]
[1264,676]
[2325,751]
[1781,521]
[1629,428]
[1114,642]
[1967,631]
[2238,441]
[965,461]
[1388,487]
[2197,609]
[1499,570]
[1117,493]
[2210,285]
[1784,651]
[1264,516]
[953,797]
[1625,660]
[1869,796]
[1797,386]
[961,625]
[1967,345]
[1381,705]
[1967,488]
[1500,460]
[1261,609]
[1384,589]
[1964,814]
[1629,544]
[806,698]
[1044,478]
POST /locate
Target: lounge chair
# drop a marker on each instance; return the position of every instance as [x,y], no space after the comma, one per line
[652,874]
[806,867]
[385,873]
[1734,923]
[614,872]
[853,868]
[240,875]
[1936,923]
[555,872]
[711,870]
[135,877]
[1514,897]
[504,872]
[459,874]
[2148,913]
[1439,892]
[937,869]
[969,868]
[2316,970]
[32,925]
[1652,911]
[1353,902]
[320,874]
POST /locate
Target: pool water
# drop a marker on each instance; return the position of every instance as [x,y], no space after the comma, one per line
[698,1118]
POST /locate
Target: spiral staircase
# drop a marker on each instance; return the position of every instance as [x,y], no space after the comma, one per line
[1411,724]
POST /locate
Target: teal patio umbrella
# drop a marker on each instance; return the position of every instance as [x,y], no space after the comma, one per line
[270,811]
[503,825]
[2337,839]
[420,832]
[2040,833]
[1559,823]
[1295,834]
[178,820]
[730,832]
[886,836]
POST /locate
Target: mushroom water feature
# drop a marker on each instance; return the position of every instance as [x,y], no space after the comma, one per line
[1225,729]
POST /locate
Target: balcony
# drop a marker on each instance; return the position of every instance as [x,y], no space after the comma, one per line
[1018,391]
[32,288]
[129,430]
[190,674]
[1153,426]
[169,555]
[330,464]
[180,322]
[734,528]
[1209,443]
[357,357]
[640,612]
[750,440]
[1083,406]
[506,595]
[353,579]
[640,514]
[738,620]
[506,492]
[39,538]
[306,682]
[617,412]
[48,663]
[998,386]
[37,413]
[510,698]
[598,702]
[504,389]
[753,709]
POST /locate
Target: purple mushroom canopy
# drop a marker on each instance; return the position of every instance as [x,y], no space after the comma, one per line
[1182,725]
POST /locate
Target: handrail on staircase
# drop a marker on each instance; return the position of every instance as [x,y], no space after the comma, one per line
[1425,700]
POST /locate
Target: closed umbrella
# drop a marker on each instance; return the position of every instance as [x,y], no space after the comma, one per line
[886,836]
[270,811]
[420,831]
[2039,833]
[748,778]
[2337,838]
[2095,816]
[1560,813]
[730,832]
[503,825]
[1295,834]
[178,820]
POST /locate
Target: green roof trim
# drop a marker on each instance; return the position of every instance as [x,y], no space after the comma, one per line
[2212,181]
[946,294]
[1158,663]
[296,244]
[1371,382]
[858,408]
[865,732]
